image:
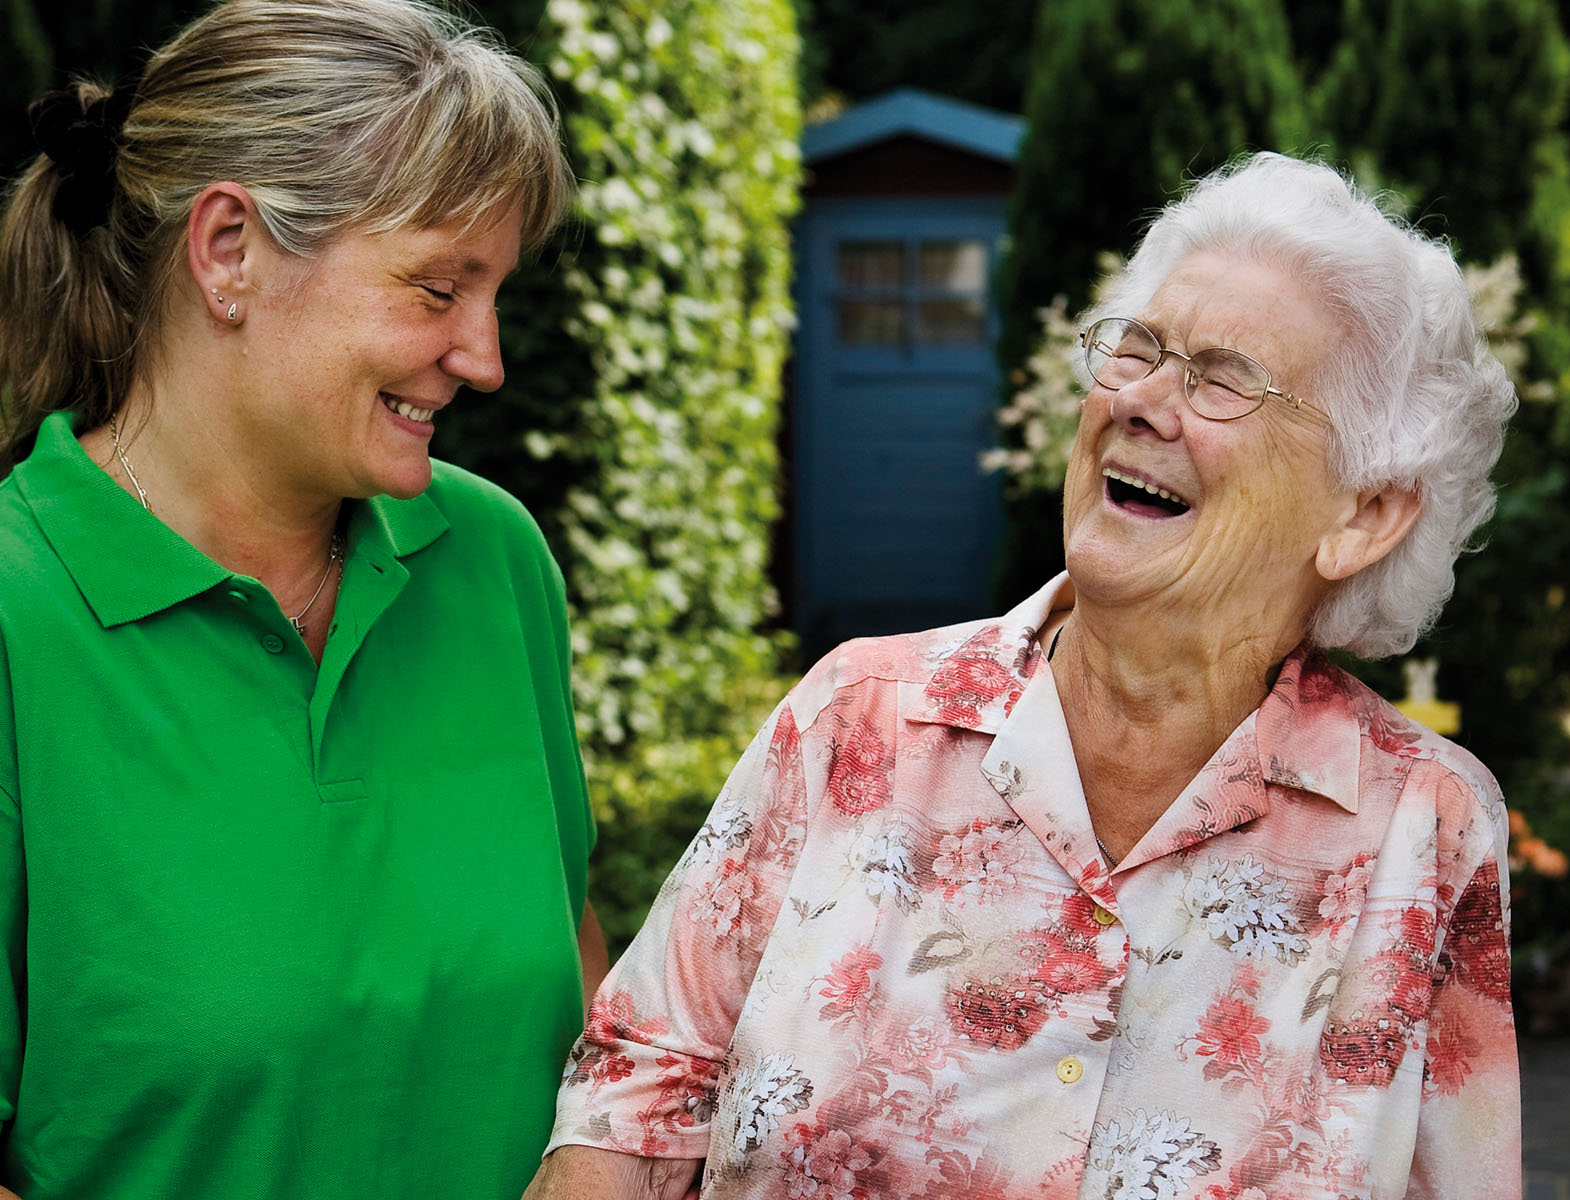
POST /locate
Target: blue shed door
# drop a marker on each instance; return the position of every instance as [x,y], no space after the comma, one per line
[896,525]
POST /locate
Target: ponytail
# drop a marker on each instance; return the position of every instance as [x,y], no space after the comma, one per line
[65,315]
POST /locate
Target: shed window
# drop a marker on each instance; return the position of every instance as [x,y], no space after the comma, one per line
[926,292]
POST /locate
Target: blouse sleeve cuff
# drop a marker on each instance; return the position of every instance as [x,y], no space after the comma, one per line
[636,1099]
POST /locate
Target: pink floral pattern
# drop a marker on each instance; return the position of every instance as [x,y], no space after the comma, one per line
[893,963]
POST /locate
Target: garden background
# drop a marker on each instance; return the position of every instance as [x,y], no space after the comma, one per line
[647,347]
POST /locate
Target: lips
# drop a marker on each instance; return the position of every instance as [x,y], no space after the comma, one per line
[1131,492]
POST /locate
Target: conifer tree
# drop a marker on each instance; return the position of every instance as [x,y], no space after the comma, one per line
[1460,106]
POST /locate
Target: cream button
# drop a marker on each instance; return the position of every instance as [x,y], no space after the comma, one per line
[1103,917]
[1070,1069]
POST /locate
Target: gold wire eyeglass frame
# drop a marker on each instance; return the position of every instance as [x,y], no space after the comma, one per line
[1093,345]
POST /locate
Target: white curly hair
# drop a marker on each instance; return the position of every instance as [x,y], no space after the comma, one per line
[1417,399]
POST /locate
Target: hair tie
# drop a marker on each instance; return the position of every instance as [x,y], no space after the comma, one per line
[82,143]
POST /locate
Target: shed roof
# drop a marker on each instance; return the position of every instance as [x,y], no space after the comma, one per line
[916,113]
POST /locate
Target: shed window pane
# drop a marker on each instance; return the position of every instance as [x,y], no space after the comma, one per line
[871,264]
[954,266]
[958,322]
[871,322]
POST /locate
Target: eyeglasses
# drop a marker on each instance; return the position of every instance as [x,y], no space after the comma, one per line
[1219,384]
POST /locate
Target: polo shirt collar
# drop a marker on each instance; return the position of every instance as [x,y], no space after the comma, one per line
[384,528]
[128,564]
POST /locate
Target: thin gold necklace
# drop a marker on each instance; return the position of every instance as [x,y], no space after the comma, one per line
[119,452]
[334,547]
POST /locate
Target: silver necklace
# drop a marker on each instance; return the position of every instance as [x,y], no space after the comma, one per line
[1111,862]
[334,557]
[334,547]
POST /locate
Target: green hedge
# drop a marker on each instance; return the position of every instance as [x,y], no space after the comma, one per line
[639,421]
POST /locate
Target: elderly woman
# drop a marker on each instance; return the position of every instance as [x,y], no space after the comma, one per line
[291,811]
[1130,892]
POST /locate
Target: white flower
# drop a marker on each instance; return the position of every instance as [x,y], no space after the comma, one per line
[977,864]
[762,1092]
[1246,912]
[1153,1159]
[728,827]
[884,859]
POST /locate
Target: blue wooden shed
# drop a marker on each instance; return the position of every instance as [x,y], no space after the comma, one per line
[894,525]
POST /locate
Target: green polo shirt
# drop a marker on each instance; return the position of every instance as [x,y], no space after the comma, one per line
[275,930]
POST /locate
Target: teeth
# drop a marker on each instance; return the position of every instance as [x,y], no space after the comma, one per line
[404,409]
[1149,487]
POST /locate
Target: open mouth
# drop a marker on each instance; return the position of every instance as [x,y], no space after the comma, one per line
[1139,496]
[406,410]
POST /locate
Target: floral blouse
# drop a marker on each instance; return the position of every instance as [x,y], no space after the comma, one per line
[893,962]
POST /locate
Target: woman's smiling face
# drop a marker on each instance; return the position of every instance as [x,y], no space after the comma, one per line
[1247,501]
[355,356]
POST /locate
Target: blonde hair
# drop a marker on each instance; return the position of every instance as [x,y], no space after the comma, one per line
[338,116]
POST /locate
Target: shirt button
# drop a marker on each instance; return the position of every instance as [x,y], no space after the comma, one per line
[272,643]
[1070,1069]
[238,596]
[1103,917]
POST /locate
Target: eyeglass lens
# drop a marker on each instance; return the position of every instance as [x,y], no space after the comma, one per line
[1221,384]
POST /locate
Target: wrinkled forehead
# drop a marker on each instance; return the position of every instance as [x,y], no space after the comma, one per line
[1242,303]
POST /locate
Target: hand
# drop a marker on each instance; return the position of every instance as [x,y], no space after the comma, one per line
[588,1173]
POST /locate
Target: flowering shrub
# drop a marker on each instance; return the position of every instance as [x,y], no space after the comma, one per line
[638,422]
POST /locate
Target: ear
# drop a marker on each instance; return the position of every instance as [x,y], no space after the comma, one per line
[223,243]
[1379,520]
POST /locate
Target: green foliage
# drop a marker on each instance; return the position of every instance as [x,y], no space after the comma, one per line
[1459,103]
[651,799]
[1127,100]
[645,354]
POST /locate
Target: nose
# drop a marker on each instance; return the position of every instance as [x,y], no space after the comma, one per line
[475,355]
[1155,402]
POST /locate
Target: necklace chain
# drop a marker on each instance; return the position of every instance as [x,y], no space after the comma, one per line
[125,465]
[1111,862]
[335,547]
[334,557]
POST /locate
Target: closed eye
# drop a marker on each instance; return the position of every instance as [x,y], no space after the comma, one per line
[439,293]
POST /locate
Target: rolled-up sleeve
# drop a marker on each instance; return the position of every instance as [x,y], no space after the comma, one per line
[641,1079]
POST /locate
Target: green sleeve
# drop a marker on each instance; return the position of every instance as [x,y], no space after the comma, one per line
[574,816]
[13,905]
